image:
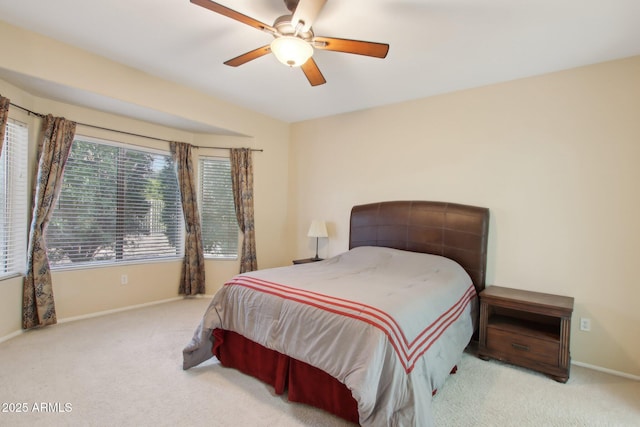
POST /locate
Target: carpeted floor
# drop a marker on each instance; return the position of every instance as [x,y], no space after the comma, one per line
[124,369]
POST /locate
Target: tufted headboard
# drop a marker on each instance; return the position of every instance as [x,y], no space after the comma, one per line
[459,232]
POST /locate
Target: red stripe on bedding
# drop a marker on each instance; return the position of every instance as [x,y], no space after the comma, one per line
[326,299]
[408,353]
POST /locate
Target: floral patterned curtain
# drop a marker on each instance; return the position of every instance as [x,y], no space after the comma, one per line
[192,279]
[38,308]
[242,180]
[4,115]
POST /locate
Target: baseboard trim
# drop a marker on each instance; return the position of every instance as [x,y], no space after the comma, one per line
[105,312]
[117,310]
[199,296]
[606,370]
[11,335]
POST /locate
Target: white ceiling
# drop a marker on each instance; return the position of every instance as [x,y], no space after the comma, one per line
[436,46]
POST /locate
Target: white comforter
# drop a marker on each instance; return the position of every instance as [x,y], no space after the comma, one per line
[388,324]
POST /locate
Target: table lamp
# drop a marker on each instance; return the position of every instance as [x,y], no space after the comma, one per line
[318,229]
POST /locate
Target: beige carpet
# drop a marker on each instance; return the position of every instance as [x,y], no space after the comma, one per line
[124,369]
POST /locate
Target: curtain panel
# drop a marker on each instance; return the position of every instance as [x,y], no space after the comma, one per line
[192,278]
[38,307]
[242,181]
[4,115]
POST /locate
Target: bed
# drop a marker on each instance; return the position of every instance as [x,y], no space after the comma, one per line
[370,334]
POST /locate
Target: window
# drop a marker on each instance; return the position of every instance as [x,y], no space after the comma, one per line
[13,200]
[117,204]
[217,211]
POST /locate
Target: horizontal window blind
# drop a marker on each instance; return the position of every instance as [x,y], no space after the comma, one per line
[117,204]
[217,210]
[13,200]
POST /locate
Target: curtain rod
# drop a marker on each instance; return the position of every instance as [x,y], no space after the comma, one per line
[123,132]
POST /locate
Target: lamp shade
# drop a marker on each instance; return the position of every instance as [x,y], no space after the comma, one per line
[291,51]
[318,229]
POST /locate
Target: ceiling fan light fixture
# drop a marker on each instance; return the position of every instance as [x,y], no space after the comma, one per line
[291,51]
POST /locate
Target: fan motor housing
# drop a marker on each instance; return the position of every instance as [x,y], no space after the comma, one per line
[285,28]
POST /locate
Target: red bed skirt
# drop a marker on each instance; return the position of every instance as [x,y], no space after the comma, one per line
[305,383]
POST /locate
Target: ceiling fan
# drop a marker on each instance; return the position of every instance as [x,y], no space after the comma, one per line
[294,40]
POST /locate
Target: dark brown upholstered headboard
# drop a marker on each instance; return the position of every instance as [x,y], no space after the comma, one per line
[459,232]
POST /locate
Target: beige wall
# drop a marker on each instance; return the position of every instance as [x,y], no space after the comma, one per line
[554,157]
[85,291]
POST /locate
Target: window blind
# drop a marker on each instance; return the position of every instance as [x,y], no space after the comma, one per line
[217,210]
[117,204]
[13,200]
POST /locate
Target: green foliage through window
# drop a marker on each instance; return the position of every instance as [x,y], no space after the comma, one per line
[117,203]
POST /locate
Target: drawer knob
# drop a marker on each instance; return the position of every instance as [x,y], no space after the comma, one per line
[520,346]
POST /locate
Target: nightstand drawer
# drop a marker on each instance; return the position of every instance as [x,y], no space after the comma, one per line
[516,346]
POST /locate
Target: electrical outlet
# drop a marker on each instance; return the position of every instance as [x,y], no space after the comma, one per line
[585,324]
[124,279]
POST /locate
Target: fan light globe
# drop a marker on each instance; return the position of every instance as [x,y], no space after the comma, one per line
[291,50]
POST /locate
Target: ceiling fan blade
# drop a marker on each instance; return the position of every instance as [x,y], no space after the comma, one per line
[229,13]
[377,50]
[307,12]
[249,56]
[311,70]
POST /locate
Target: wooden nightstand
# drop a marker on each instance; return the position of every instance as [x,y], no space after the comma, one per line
[529,329]
[306,260]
